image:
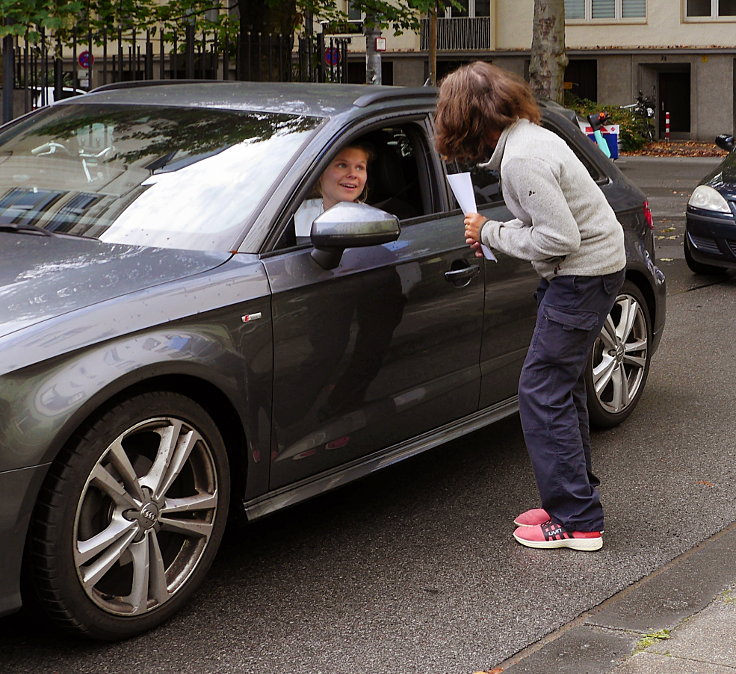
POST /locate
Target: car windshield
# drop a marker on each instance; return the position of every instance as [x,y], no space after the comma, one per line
[187,178]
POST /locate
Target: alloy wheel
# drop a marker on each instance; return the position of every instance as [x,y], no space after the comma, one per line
[145,516]
[620,356]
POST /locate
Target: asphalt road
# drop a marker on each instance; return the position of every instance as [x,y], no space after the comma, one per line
[415,569]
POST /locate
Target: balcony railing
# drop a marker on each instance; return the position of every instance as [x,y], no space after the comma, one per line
[459,33]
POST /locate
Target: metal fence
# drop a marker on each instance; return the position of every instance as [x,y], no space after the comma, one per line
[458,33]
[50,69]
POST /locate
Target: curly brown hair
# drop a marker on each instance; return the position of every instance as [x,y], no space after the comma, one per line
[476,103]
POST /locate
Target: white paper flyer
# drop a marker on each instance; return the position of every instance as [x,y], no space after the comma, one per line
[462,188]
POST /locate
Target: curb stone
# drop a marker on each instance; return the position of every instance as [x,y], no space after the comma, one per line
[680,618]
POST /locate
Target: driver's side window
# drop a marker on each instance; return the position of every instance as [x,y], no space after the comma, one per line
[378,168]
[393,179]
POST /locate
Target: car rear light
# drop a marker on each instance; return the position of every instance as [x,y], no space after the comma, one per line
[648,215]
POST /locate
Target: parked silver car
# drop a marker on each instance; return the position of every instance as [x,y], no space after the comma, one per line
[170,351]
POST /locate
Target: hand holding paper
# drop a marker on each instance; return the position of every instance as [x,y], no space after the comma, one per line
[462,188]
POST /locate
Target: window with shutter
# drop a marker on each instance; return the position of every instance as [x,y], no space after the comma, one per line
[607,9]
[633,9]
[574,9]
[604,9]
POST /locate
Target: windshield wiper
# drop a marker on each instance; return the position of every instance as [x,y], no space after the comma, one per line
[25,228]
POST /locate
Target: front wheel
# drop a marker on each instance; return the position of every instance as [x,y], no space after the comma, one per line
[130,517]
[619,361]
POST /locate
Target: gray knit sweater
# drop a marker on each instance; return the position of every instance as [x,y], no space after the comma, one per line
[563,223]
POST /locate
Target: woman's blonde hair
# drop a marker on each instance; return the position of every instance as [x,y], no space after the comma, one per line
[478,101]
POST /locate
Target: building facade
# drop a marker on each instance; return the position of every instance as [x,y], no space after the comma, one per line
[680,53]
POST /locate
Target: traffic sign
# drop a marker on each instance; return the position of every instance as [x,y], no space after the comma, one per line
[86,60]
[332,56]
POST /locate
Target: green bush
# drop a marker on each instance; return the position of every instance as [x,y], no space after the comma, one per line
[632,130]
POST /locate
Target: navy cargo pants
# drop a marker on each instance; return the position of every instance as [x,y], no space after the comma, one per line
[571,311]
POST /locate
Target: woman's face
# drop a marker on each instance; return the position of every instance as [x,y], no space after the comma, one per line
[344,179]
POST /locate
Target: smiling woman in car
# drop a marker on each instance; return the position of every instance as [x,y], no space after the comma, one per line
[345,179]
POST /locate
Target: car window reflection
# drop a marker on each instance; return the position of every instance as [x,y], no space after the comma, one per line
[168,177]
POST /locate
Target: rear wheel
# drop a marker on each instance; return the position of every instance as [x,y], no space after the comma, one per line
[130,517]
[619,362]
[699,267]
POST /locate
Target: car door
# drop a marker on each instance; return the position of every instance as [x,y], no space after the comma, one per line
[386,346]
[510,307]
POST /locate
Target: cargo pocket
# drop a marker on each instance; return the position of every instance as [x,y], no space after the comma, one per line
[563,335]
[571,319]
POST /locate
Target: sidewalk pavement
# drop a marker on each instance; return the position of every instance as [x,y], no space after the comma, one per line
[681,619]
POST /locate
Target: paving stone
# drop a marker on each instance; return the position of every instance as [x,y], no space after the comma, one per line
[651,663]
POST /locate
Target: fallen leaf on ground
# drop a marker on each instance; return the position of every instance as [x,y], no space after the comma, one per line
[678,148]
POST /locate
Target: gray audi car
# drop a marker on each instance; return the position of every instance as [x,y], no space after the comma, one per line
[171,352]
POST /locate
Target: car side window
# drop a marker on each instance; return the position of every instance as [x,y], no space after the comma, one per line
[486,185]
[486,182]
[396,180]
[393,176]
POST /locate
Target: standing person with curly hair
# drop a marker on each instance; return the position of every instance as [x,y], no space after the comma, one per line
[565,227]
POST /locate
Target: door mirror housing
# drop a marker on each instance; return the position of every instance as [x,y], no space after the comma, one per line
[350,225]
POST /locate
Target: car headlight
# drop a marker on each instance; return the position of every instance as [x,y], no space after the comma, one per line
[708,199]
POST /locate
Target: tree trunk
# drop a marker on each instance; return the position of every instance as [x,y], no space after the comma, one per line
[372,57]
[266,39]
[548,59]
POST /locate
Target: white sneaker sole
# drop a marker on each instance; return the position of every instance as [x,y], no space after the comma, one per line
[585,544]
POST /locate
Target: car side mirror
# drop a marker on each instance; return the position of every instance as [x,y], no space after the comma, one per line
[350,225]
[725,142]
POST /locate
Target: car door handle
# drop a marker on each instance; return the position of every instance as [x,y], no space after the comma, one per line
[462,277]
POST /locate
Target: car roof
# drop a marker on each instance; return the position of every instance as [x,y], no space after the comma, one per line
[303,98]
[322,100]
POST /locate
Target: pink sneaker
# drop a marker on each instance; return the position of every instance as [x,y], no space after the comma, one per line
[532,518]
[554,535]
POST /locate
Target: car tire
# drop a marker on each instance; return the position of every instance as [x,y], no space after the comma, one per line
[619,362]
[130,517]
[699,267]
